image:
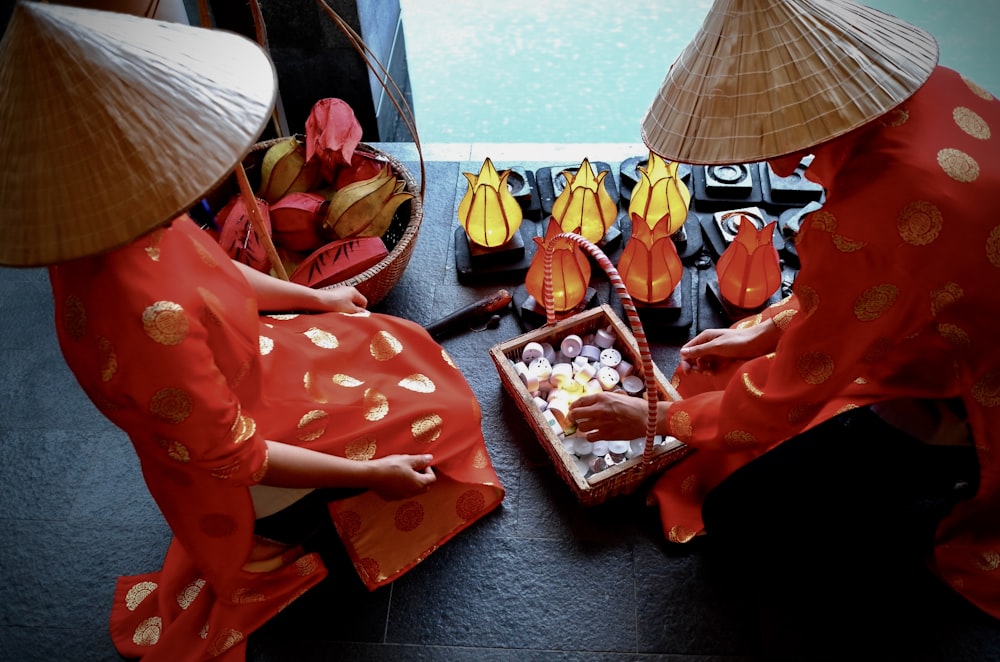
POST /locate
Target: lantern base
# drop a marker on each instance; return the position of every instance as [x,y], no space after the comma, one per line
[717,239]
[476,264]
[673,313]
[532,313]
[731,313]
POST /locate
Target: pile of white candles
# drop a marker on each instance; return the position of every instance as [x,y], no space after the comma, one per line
[582,365]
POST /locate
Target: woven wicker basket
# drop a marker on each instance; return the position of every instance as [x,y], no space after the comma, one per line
[399,239]
[623,478]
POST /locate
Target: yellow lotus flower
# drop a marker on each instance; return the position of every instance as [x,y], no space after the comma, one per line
[660,193]
[488,211]
[585,207]
[365,208]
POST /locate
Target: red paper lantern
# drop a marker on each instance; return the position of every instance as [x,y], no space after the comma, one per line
[570,271]
[749,271]
[649,265]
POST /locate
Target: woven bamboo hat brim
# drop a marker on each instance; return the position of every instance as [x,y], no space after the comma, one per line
[111,125]
[764,78]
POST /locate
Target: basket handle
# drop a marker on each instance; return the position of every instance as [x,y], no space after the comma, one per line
[648,374]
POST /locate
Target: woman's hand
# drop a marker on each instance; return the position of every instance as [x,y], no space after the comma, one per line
[342,299]
[401,476]
[610,416]
[713,348]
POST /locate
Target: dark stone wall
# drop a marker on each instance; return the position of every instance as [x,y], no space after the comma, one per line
[315,60]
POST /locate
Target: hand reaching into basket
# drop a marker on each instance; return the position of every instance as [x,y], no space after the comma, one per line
[609,415]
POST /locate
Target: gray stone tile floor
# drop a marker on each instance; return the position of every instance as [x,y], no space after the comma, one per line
[541,578]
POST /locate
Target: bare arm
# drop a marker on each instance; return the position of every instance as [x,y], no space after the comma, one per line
[275,294]
[392,477]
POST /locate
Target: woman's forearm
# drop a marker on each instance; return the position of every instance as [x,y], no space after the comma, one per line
[277,294]
[294,466]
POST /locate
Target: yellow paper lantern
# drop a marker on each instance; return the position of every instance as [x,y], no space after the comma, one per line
[489,212]
[660,193]
[584,206]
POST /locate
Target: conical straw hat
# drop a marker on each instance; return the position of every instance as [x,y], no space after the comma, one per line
[764,78]
[111,125]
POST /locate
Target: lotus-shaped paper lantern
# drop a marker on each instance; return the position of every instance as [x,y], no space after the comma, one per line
[365,208]
[584,206]
[284,170]
[749,271]
[488,211]
[570,271]
[660,193]
[649,265]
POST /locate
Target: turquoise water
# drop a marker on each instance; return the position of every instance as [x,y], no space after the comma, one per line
[556,71]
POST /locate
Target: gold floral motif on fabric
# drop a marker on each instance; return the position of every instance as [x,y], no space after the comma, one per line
[306,565]
[970,122]
[738,440]
[808,299]
[986,390]
[954,335]
[243,596]
[171,404]
[384,346]
[242,429]
[874,301]
[376,405]
[989,561]
[447,359]
[312,425]
[846,244]
[823,220]
[958,165]
[426,429]
[896,117]
[784,318]
[680,534]
[348,523]
[814,367]
[322,339]
[266,345]
[148,632]
[860,381]
[176,451]
[311,385]
[919,223]
[361,449]
[750,387]
[107,359]
[138,593]
[417,383]
[284,316]
[469,504]
[224,641]
[691,486]
[679,425]
[846,408]
[165,322]
[152,247]
[977,89]
[993,247]
[409,516]
[225,471]
[187,595]
[74,318]
[258,475]
[346,380]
